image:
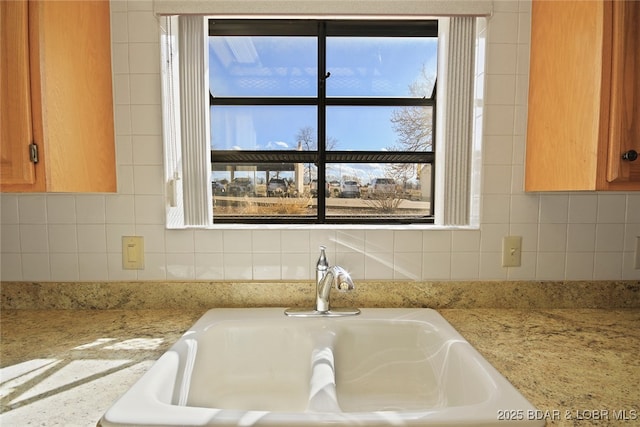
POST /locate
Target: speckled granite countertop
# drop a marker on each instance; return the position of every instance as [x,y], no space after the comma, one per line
[580,367]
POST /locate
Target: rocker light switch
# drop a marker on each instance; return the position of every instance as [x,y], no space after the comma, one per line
[132,252]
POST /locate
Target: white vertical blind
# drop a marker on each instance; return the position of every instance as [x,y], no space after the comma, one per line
[171,122]
[194,111]
[457,120]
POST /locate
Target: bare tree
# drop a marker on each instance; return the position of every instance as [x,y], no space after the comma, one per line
[413,126]
[306,138]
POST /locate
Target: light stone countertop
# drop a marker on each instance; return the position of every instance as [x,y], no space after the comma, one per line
[66,367]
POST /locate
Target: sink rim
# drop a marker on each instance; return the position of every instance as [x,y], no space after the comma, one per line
[160,386]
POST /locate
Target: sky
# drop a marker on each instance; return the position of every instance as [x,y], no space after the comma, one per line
[271,66]
[276,66]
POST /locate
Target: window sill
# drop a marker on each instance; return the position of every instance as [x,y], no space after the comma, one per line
[393,227]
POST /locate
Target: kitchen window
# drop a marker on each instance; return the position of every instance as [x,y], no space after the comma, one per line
[319,121]
[322,121]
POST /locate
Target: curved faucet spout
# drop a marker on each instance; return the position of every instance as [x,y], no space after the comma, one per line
[335,276]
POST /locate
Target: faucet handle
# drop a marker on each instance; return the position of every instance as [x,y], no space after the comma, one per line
[322,263]
[343,280]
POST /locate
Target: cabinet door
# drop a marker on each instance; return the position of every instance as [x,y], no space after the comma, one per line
[15,103]
[624,117]
[565,96]
[73,42]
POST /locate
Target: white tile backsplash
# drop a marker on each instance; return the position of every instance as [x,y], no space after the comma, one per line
[465,241]
[610,237]
[378,265]
[550,265]
[379,241]
[90,209]
[32,209]
[237,241]
[611,208]
[566,236]
[143,27]
[581,238]
[608,265]
[296,266]
[35,267]
[144,58]
[61,209]
[64,267]
[406,241]
[92,266]
[552,238]
[437,241]
[209,266]
[580,265]
[407,265]
[267,266]
[436,265]
[181,266]
[583,209]
[208,241]
[465,265]
[10,239]
[266,241]
[179,241]
[295,241]
[34,238]
[554,209]
[491,266]
[64,238]
[238,266]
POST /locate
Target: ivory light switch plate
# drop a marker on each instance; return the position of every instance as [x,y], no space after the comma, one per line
[511,251]
[132,252]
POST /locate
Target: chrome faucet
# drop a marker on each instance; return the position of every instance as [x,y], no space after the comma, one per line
[327,278]
[321,266]
[334,276]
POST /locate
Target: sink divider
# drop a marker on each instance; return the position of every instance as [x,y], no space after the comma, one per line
[322,382]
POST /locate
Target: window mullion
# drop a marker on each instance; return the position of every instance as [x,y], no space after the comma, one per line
[261,101]
[322,119]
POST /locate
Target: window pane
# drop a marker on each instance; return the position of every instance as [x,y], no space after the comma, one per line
[379,128]
[262,190]
[263,127]
[381,66]
[243,66]
[379,190]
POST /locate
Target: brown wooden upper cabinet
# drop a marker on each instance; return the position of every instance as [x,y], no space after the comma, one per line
[584,96]
[56,99]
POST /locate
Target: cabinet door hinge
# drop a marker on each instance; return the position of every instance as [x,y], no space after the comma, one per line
[33,152]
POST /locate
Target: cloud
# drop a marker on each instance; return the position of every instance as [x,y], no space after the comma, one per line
[277,145]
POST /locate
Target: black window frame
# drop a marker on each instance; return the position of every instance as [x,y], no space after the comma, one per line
[321,157]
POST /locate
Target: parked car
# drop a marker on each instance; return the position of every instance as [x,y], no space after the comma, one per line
[218,188]
[349,189]
[382,187]
[240,187]
[278,187]
[333,189]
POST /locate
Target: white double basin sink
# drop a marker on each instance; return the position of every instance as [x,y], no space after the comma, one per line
[246,367]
